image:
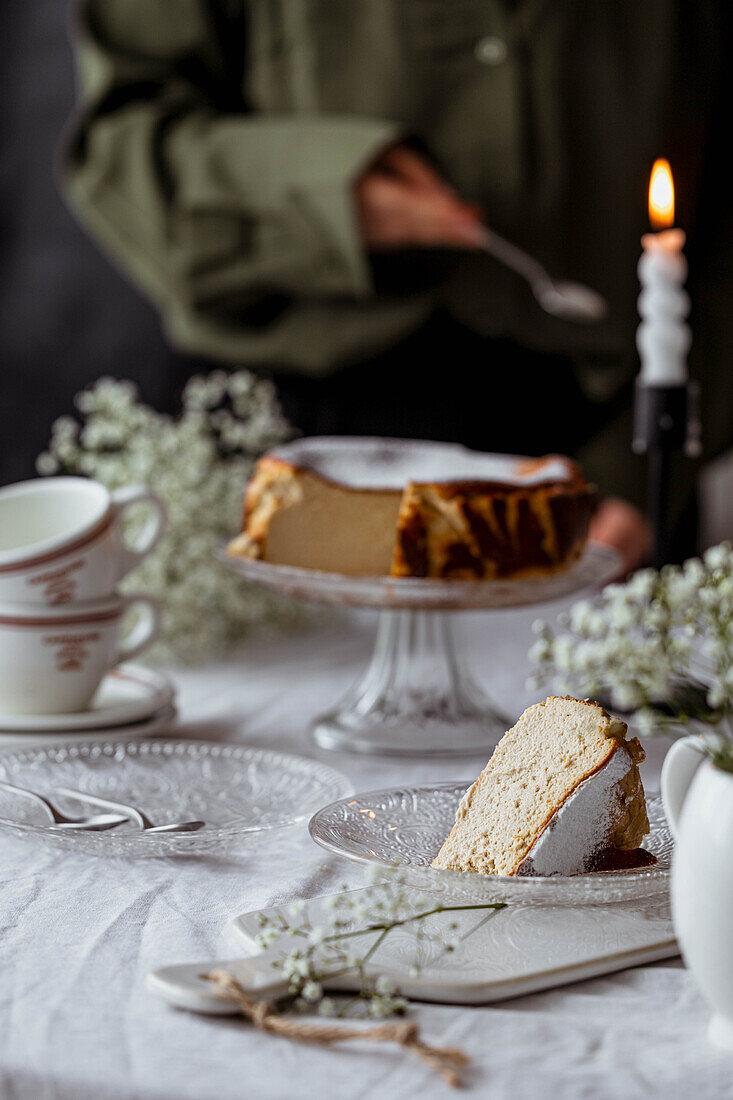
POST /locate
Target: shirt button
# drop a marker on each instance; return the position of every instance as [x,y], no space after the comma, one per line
[491,50]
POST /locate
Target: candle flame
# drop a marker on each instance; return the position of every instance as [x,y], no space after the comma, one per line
[661,195]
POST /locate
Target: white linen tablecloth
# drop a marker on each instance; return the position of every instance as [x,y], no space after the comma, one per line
[80,933]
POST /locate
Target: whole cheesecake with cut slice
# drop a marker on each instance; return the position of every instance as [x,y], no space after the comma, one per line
[561,795]
[408,508]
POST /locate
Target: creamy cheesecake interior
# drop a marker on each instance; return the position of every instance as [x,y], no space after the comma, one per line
[329,527]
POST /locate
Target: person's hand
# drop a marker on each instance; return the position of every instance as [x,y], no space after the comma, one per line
[402,202]
[623,527]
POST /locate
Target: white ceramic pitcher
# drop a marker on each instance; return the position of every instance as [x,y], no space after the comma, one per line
[698,801]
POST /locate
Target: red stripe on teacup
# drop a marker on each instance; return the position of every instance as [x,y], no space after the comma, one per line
[62,551]
[62,620]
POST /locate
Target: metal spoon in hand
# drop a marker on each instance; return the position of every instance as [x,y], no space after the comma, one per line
[570,301]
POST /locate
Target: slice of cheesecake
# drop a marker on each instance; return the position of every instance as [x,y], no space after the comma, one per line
[409,508]
[561,795]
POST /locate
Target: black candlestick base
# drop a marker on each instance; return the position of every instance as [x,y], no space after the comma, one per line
[665,422]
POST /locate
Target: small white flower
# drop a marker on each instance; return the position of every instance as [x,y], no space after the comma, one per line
[645,723]
[316,935]
[312,992]
[642,584]
[295,966]
[717,696]
[384,985]
[46,464]
[580,615]
[718,557]
[540,652]
[563,653]
[625,697]
[694,572]
[266,938]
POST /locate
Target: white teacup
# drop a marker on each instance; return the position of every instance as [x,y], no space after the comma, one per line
[60,539]
[52,659]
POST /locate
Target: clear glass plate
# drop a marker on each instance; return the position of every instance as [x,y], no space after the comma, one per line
[407,826]
[236,790]
[598,565]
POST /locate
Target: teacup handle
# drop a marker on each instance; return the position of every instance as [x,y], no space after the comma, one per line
[679,769]
[145,630]
[151,532]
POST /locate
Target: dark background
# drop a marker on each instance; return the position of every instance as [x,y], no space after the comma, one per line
[66,315]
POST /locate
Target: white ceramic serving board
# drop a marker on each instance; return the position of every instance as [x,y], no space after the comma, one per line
[500,955]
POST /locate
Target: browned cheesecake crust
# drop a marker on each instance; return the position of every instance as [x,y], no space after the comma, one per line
[475,530]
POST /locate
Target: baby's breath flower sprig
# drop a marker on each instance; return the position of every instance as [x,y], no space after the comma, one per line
[356,926]
[660,645]
[199,463]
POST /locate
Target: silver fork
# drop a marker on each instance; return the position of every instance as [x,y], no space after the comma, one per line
[96,822]
[132,812]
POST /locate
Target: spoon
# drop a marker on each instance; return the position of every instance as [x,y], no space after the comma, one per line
[63,821]
[570,301]
[146,825]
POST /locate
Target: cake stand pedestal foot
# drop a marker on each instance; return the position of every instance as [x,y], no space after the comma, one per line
[416,698]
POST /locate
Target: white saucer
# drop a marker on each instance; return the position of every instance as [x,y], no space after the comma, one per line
[129,693]
[161,723]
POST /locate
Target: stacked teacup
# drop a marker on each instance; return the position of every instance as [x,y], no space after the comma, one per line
[62,554]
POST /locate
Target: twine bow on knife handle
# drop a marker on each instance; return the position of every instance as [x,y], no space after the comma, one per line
[442,1060]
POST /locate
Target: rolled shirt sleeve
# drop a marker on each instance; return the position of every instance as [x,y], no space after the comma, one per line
[210,208]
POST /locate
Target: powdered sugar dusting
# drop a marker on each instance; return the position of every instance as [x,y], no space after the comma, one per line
[373,463]
[583,825]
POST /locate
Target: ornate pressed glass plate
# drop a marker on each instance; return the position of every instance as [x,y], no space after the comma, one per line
[238,791]
[406,826]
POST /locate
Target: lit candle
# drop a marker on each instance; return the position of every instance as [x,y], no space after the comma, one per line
[663,337]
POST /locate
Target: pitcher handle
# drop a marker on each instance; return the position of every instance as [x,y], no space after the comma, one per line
[678,771]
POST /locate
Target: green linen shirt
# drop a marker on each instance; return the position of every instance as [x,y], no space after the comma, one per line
[217,143]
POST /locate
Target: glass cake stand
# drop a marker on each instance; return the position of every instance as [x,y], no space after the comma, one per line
[417,696]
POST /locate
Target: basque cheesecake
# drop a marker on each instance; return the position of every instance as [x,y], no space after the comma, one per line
[561,795]
[408,508]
